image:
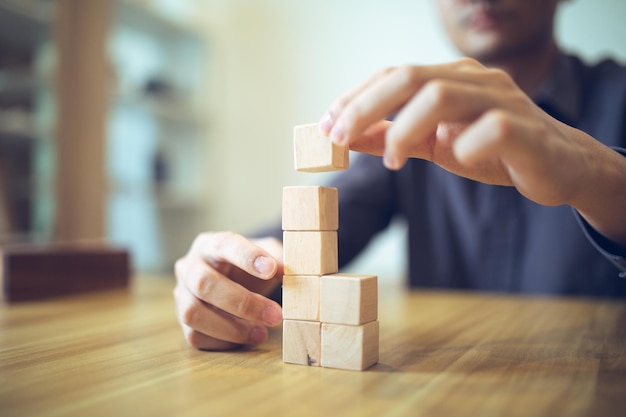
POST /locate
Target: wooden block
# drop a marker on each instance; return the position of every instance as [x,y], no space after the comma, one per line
[301,297]
[349,347]
[309,253]
[314,152]
[348,298]
[29,272]
[310,208]
[301,342]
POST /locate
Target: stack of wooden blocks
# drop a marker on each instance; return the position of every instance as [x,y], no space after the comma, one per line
[330,319]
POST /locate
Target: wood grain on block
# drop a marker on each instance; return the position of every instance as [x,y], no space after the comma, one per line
[314,152]
[301,297]
[348,298]
[30,272]
[301,342]
[310,208]
[349,347]
[309,253]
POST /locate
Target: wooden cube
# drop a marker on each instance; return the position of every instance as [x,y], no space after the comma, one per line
[315,152]
[349,347]
[348,299]
[301,297]
[310,208]
[301,342]
[309,253]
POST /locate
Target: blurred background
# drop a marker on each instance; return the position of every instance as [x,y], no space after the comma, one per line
[144,122]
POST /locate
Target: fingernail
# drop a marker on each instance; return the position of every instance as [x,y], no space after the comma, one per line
[257,335]
[391,161]
[264,265]
[272,316]
[326,124]
[337,134]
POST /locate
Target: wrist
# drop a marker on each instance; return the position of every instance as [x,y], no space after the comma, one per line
[602,197]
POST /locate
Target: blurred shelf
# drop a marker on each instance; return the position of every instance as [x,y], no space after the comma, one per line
[31,19]
[144,17]
[173,200]
[17,85]
[19,128]
[18,136]
[165,109]
[166,197]
[25,29]
[21,85]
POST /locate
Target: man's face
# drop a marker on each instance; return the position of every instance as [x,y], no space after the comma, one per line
[490,30]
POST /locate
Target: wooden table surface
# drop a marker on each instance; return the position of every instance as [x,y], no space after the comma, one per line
[121,353]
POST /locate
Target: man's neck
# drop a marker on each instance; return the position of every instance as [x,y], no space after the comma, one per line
[529,69]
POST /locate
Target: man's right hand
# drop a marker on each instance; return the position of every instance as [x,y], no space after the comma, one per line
[221,283]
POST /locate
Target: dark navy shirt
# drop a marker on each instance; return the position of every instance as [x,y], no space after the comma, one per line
[467,235]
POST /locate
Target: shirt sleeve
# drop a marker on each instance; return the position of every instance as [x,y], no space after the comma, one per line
[612,251]
[367,204]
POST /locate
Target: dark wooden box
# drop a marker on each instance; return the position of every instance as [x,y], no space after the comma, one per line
[32,272]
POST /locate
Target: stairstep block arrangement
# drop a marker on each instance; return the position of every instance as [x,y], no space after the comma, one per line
[330,319]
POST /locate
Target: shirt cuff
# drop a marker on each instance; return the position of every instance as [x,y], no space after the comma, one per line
[612,251]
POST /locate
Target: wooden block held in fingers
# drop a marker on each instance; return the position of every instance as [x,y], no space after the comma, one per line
[314,152]
[301,297]
[349,347]
[348,298]
[310,253]
[301,342]
[310,208]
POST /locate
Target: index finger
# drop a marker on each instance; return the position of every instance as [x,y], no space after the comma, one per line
[328,119]
[216,289]
[389,91]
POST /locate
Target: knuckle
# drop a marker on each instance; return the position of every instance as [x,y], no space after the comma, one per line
[537,129]
[200,283]
[352,115]
[396,139]
[340,103]
[467,62]
[219,240]
[212,240]
[499,76]
[177,292]
[214,244]
[387,71]
[200,239]
[189,314]
[246,306]
[437,93]
[407,76]
[195,339]
[179,267]
[501,123]
[519,101]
